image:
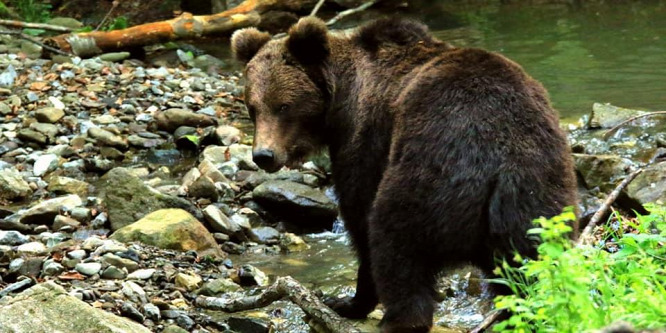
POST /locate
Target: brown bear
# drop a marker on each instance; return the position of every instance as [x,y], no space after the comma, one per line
[440,155]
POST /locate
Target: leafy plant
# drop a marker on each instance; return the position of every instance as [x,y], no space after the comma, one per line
[118,23]
[32,10]
[578,289]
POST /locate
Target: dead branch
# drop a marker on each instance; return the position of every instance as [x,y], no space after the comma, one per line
[32,40]
[351,11]
[586,236]
[317,7]
[283,287]
[488,321]
[616,127]
[43,26]
[106,17]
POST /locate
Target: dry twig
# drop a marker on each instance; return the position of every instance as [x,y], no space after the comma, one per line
[351,11]
[616,127]
[317,7]
[32,40]
[106,17]
[43,26]
[283,287]
[586,235]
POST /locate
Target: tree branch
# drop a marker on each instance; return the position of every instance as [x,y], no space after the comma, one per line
[44,26]
[612,130]
[32,40]
[283,287]
[351,11]
[586,235]
[317,7]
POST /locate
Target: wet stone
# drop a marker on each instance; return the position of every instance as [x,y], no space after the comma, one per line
[32,248]
[12,237]
[114,260]
[128,310]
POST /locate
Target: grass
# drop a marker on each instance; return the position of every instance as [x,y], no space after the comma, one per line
[582,289]
[32,10]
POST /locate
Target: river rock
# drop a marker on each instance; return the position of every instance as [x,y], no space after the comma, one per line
[27,134]
[32,248]
[12,185]
[265,235]
[49,115]
[12,237]
[47,307]
[128,199]
[602,171]
[650,185]
[203,187]
[106,138]
[141,274]
[66,185]
[170,229]
[45,211]
[228,135]
[61,221]
[293,243]
[88,268]
[169,120]
[608,116]
[44,164]
[252,276]
[296,202]
[188,281]
[218,287]
[219,222]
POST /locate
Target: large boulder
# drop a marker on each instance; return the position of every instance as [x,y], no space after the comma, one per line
[650,185]
[128,199]
[296,203]
[47,307]
[173,229]
[603,171]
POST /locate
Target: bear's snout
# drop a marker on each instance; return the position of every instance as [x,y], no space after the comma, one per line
[265,159]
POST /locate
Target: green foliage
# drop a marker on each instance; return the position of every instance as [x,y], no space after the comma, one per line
[32,10]
[579,289]
[118,23]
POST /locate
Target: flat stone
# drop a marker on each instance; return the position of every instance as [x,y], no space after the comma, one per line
[49,115]
[32,248]
[66,185]
[45,163]
[45,211]
[12,185]
[114,260]
[188,281]
[88,268]
[218,287]
[141,274]
[106,138]
[169,120]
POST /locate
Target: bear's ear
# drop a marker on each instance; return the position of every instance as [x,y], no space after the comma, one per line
[308,41]
[245,43]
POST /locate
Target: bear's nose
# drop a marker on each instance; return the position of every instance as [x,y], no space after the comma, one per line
[265,158]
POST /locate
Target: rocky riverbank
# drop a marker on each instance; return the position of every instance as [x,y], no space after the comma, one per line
[127,190]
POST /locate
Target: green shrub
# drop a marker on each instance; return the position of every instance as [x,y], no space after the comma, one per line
[32,10]
[579,289]
[118,23]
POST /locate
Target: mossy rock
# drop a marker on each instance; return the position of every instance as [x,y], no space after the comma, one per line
[173,229]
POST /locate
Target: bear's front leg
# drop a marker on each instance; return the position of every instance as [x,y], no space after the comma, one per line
[364,301]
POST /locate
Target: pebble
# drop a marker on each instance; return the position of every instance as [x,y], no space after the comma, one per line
[88,268]
[32,248]
[141,274]
[12,237]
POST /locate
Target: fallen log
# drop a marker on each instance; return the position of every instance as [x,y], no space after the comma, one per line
[186,26]
[284,287]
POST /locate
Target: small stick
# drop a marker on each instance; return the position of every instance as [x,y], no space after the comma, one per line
[113,6]
[351,11]
[44,26]
[586,235]
[32,40]
[317,7]
[612,130]
[283,287]
[489,320]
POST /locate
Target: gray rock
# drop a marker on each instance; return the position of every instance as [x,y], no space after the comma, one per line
[88,268]
[152,311]
[115,56]
[52,268]
[77,254]
[44,164]
[12,237]
[141,142]
[32,136]
[265,235]
[49,115]
[12,185]
[218,287]
[296,202]
[61,221]
[141,274]
[106,138]
[45,211]
[603,171]
[650,185]
[608,116]
[128,310]
[227,135]
[128,199]
[114,273]
[51,309]
[219,222]
[134,292]
[32,248]
[114,260]
[49,130]
[66,185]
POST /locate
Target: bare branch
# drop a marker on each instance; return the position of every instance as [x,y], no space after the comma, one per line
[317,7]
[612,130]
[283,287]
[586,235]
[43,26]
[351,11]
[106,17]
[32,40]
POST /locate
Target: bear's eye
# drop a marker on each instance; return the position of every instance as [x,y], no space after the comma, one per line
[283,108]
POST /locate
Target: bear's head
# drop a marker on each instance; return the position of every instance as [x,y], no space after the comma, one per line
[285,92]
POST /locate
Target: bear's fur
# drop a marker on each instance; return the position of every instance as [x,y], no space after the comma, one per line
[440,155]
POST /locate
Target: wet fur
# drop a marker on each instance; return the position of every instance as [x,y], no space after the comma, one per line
[440,156]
